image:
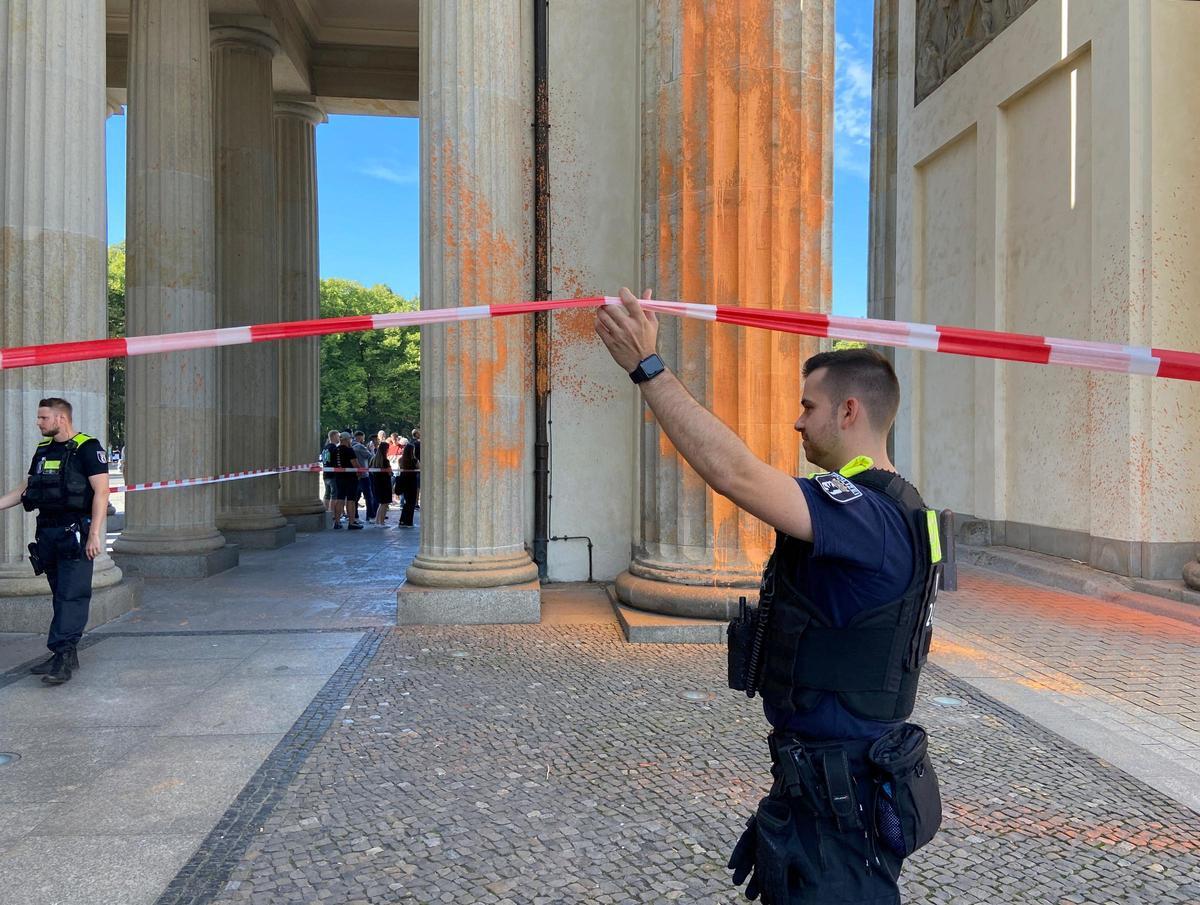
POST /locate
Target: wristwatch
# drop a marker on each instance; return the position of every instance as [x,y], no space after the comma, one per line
[648,368]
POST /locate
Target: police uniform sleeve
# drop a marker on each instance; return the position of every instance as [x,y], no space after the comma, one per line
[92,458]
[847,525]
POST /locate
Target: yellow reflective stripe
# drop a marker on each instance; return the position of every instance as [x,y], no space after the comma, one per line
[850,469]
[856,465]
[935,537]
[80,439]
[51,464]
[46,442]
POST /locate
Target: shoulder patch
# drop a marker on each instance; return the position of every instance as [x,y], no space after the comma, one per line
[837,488]
[102,457]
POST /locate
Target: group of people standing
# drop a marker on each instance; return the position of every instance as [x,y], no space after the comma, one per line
[384,469]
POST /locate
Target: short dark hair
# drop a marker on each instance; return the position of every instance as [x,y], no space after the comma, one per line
[56,403]
[864,374]
[359,434]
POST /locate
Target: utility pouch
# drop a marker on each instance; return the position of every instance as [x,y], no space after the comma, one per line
[908,802]
[35,560]
[740,638]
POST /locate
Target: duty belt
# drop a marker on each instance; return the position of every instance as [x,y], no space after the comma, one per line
[61,519]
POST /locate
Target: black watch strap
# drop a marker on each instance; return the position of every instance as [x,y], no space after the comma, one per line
[648,368]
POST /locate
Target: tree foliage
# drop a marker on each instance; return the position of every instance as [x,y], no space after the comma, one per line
[840,344]
[369,380]
[116,330]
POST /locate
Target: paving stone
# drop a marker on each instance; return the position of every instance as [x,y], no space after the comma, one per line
[537,764]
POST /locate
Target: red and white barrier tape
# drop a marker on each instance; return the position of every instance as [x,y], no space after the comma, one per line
[1154,362]
[316,468]
[215,479]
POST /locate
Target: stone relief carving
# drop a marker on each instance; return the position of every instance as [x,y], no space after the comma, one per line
[950,32]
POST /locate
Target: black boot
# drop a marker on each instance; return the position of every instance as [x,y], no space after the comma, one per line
[72,658]
[44,667]
[60,669]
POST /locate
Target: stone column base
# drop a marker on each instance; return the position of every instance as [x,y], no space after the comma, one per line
[178,565]
[261,538]
[1191,574]
[309,522]
[33,614]
[519,603]
[691,601]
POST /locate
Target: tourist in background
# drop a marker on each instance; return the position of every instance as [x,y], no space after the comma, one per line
[408,481]
[381,481]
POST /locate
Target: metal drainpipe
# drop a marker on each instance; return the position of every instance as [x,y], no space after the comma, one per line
[541,284]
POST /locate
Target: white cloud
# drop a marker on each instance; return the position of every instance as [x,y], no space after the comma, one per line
[389,173]
[852,105]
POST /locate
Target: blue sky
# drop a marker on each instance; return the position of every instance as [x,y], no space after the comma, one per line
[368,186]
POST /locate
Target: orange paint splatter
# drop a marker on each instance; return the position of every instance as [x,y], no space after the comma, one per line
[490,264]
[743,192]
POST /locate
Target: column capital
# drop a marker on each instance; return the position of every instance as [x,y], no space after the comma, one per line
[301,107]
[240,36]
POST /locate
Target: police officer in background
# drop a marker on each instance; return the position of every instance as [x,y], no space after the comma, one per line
[68,486]
[842,628]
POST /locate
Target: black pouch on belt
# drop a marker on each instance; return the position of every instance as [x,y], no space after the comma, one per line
[35,559]
[908,802]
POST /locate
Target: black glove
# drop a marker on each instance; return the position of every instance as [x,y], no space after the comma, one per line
[771,853]
[741,862]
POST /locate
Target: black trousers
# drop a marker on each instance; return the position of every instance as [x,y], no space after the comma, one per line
[407,485]
[69,571]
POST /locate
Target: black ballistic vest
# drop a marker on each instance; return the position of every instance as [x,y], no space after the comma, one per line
[872,664]
[59,485]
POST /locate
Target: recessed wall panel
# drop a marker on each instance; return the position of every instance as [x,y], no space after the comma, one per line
[947,296]
[1048,239]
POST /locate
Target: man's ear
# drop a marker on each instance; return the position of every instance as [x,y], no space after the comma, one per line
[852,411]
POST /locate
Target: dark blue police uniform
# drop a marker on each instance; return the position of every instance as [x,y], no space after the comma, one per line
[843,625]
[862,557]
[58,486]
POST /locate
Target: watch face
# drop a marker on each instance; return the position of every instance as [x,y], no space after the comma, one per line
[648,367]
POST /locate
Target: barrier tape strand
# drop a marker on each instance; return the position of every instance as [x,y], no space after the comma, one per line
[315,467]
[993,344]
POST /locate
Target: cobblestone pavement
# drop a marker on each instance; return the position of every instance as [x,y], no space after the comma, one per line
[555,763]
[1134,673]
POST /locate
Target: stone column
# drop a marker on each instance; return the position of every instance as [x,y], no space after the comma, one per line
[247,284]
[476,78]
[881,267]
[52,261]
[169,288]
[296,120]
[737,185]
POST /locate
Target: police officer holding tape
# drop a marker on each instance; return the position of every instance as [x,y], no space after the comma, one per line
[841,631]
[68,485]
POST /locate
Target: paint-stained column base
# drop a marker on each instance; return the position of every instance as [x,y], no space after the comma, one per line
[674,598]
[1191,574]
[514,604]
[472,572]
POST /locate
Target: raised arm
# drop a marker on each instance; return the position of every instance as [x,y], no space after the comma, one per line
[716,453]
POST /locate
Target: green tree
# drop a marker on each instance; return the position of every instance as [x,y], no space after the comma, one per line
[369,380]
[116,330]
